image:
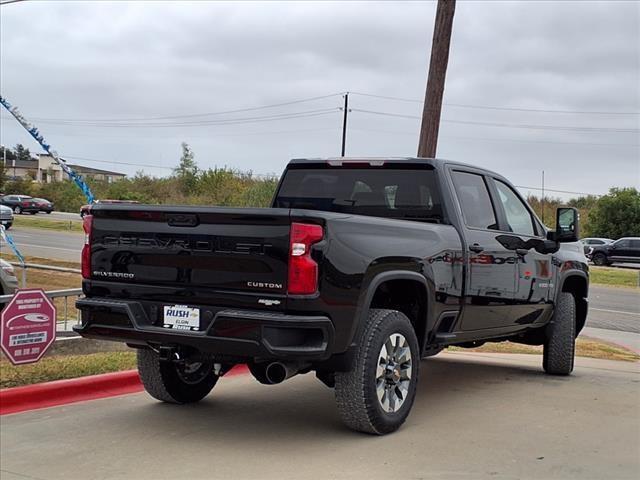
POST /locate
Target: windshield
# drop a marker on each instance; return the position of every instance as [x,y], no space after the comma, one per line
[402,193]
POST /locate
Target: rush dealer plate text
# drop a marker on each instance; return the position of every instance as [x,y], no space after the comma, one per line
[181,317]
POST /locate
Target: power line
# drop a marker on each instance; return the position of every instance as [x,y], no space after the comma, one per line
[117,163]
[192,115]
[200,123]
[559,191]
[492,107]
[7,2]
[509,125]
[392,132]
[86,159]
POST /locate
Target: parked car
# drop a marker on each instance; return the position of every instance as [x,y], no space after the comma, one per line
[361,268]
[44,205]
[8,280]
[20,204]
[84,210]
[6,216]
[623,250]
[590,242]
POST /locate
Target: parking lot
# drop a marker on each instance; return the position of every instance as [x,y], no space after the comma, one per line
[476,416]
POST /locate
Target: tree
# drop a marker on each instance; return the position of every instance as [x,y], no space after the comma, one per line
[187,170]
[22,153]
[10,156]
[3,176]
[616,214]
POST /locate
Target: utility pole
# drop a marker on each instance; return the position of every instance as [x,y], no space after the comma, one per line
[542,201]
[344,123]
[435,82]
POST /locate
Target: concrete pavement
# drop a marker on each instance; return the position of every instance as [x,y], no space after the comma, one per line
[628,340]
[475,416]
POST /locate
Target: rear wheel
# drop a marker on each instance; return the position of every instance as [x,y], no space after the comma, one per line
[175,382]
[559,349]
[600,259]
[377,394]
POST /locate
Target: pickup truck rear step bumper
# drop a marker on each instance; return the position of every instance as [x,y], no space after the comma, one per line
[242,333]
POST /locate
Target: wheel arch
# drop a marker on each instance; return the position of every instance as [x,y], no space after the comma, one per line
[577,283]
[405,291]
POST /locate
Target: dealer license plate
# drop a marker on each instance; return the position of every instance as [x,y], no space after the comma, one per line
[181,317]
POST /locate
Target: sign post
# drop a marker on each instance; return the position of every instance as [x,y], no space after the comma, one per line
[27,326]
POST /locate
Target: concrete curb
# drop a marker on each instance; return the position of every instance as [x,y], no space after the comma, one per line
[63,392]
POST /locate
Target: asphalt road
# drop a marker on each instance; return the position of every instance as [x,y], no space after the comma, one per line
[475,416]
[614,308]
[38,242]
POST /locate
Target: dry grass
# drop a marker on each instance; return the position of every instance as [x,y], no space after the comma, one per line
[33,221]
[585,347]
[39,260]
[64,366]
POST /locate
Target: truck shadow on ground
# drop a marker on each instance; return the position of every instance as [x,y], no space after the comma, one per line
[241,409]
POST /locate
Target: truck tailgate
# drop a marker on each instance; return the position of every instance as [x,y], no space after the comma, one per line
[223,249]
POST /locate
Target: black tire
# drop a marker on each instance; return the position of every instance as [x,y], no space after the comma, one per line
[600,259]
[167,382]
[356,391]
[17,210]
[33,213]
[559,348]
[48,212]
[8,226]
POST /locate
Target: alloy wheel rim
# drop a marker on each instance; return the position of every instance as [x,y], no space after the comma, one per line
[192,373]
[393,373]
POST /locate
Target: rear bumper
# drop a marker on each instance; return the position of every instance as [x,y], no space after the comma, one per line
[239,333]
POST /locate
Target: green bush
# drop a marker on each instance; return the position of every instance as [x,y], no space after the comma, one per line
[219,186]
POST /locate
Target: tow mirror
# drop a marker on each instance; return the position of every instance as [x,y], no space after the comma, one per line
[567,225]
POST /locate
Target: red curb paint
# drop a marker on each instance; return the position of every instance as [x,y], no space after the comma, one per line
[63,392]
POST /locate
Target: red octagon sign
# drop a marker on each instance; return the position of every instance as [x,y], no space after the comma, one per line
[27,326]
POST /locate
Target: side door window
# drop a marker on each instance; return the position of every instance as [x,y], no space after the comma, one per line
[519,218]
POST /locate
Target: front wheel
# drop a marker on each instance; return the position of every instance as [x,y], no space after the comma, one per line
[377,394]
[175,382]
[17,210]
[559,349]
[600,259]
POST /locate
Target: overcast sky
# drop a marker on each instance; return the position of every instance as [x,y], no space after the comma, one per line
[69,66]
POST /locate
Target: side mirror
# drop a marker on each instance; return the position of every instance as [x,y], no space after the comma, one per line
[567,225]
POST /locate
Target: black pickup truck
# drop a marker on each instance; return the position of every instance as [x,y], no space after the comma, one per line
[361,268]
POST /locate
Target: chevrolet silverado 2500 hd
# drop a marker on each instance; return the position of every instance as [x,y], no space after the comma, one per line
[360,268]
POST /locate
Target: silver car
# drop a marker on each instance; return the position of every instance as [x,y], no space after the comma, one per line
[8,280]
[6,216]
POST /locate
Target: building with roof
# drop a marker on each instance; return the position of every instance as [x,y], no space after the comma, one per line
[44,169]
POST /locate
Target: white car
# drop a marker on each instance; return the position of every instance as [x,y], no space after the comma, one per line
[588,243]
[6,216]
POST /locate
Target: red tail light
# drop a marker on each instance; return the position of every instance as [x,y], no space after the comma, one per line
[87,224]
[303,270]
[25,204]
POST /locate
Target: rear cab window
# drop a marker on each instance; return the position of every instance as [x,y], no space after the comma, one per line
[475,201]
[400,191]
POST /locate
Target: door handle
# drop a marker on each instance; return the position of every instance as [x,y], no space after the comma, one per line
[522,251]
[476,248]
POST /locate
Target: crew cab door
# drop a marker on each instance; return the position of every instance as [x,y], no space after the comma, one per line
[534,270]
[491,279]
